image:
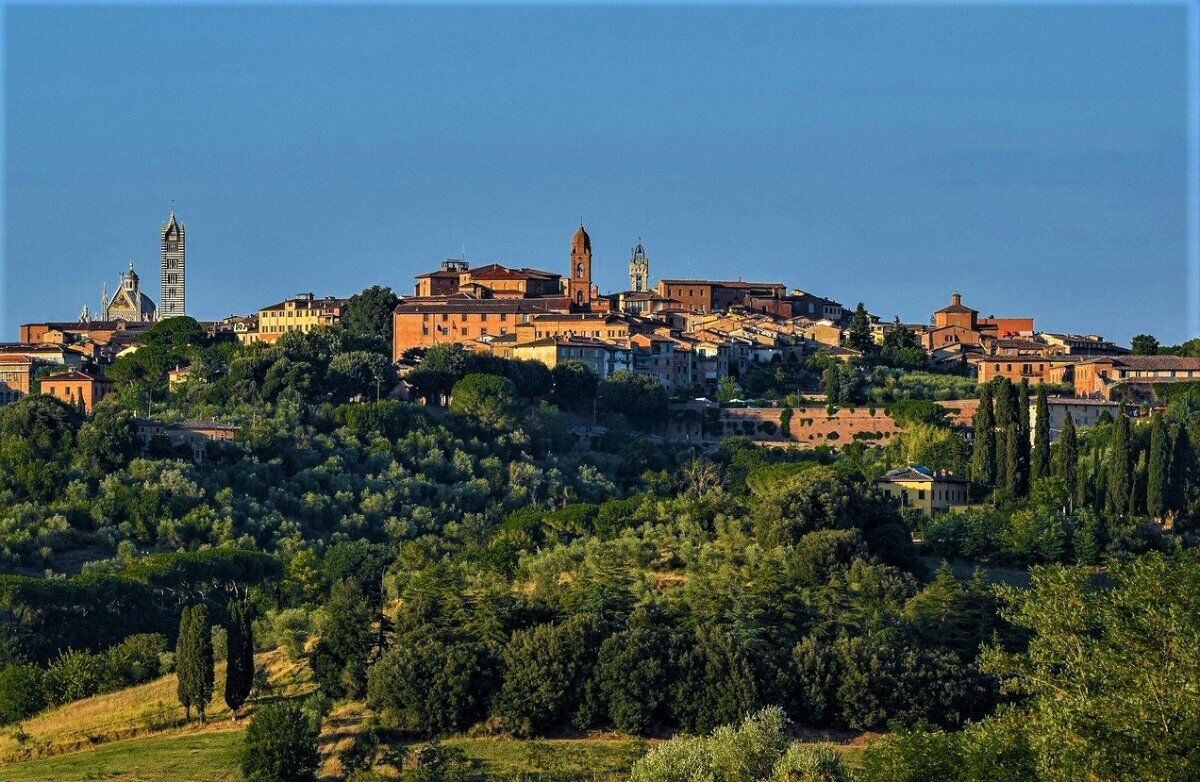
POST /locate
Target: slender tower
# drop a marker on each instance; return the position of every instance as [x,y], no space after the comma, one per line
[173,274]
[639,270]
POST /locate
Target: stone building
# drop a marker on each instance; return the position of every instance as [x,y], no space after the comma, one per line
[172,297]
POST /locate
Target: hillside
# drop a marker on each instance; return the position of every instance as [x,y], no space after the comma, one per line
[147,709]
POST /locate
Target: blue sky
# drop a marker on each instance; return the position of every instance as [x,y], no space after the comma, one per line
[1034,158]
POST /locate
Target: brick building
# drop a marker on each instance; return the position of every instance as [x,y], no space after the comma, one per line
[74,386]
[717,295]
[459,319]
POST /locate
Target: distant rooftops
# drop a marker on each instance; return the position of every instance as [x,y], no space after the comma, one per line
[921,473]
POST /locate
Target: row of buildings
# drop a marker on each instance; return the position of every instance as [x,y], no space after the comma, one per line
[681,331]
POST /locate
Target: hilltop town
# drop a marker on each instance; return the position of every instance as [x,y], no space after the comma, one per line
[706,342]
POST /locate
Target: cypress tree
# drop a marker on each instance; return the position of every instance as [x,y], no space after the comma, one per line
[185,672]
[833,385]
[1012,460]
[1039,466]
[1179,469]
[983,465]
[1005,404]
[1068,458]
[239,672]
[1120,466]
[1158,471]
[1021,480]
[194,660]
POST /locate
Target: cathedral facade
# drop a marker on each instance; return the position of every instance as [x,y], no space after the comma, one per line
[129,303]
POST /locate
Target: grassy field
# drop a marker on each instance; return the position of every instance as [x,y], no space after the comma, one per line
[147,709]
[194,757]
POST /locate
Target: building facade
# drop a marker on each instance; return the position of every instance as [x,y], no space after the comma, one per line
[926,490]
[129,303]
[303,314]
[75,387]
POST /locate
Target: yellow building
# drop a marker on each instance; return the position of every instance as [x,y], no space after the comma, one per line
[302,314]
[924,489]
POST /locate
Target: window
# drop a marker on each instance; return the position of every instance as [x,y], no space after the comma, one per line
[920,494]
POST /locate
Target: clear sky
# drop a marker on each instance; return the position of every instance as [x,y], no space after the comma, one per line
[1034,158]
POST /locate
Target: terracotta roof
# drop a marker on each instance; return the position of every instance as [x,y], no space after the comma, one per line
[725,283]
[495,271]
[572,341]
[69,375]
[466,304]
[1152,363]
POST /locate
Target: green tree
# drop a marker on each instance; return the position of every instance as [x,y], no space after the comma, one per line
[1021,483]
[858,336]
[1012,460]
[194,660]
[574,382]
[714,685]
[239,672]
[1067,458]
[21,692]
[1158,473]
[640,398]
[832,384]
[339,659]
[983,456]
[545,668]
[359,374]
[1144,345]
[369,314]
[1109,680]
[1119,466]
[280,746]
[1040,463]
[491,399]
[107,442]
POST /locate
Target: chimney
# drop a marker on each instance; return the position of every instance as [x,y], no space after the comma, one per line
[956,299]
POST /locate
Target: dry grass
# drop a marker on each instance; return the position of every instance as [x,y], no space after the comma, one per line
[150,708]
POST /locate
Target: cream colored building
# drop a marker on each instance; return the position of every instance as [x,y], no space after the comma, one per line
[927,490]
[303,313]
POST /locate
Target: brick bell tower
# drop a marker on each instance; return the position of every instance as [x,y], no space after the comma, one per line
[579,284]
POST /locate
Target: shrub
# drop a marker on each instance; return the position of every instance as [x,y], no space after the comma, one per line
[20,692]
[280,746]
[135,660]
[73,675]
[809,763]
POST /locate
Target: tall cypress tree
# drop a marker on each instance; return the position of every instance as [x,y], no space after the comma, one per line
[194,660]
[186,674]
[1039,466]
[1006,418]
[1021,480]
[239,672]
[1180,468]
[983,465]
[1120,466]
[1158,471]
[1012,459]
[1068,458]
